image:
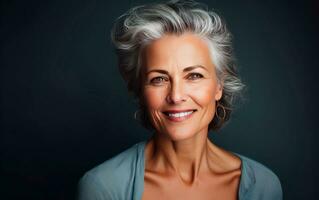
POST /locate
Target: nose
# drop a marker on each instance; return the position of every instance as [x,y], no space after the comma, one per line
[176,93]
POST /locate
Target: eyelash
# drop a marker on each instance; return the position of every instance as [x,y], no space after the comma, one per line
[192,76]
[155,80]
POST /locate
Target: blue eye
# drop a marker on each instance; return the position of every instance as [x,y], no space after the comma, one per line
[195,76]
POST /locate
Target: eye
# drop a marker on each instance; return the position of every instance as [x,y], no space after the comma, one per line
[158,80]
[194,76]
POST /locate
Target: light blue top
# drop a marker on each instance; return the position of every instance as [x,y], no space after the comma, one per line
[122,178]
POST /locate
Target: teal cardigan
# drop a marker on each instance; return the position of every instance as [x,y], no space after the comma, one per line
[122,178]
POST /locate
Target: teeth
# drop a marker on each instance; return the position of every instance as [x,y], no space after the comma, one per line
[181,114]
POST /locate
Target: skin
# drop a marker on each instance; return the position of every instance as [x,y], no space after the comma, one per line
[180,161]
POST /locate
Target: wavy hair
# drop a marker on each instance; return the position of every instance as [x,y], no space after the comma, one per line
[142,25]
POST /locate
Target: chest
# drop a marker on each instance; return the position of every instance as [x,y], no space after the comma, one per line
[224,186]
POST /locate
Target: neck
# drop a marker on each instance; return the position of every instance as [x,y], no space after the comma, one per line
[185,158]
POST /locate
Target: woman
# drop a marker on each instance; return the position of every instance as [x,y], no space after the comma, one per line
[176,58]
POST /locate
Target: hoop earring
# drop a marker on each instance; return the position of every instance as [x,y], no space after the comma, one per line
[137,115]
[220,108]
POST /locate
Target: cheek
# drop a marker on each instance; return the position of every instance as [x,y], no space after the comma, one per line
[204,95]
[154,98]
[205,98]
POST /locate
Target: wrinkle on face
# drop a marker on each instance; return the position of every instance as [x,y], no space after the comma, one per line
[180,157]
[168,57]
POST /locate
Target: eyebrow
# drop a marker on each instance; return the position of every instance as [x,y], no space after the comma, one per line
[186,69]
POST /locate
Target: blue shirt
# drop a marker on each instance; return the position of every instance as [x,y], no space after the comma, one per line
[122,178]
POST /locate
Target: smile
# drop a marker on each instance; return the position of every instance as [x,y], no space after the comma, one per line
[178,116]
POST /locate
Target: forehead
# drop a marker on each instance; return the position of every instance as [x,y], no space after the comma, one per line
[177,51]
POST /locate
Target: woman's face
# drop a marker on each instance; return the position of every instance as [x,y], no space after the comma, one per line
[180,86]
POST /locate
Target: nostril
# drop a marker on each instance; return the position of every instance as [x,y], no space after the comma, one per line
[176,93]
[175,99]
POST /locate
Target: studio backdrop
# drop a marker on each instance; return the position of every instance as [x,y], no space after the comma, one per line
[65,109]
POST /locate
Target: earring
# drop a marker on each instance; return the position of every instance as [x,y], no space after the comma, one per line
[220,111]
[137,115]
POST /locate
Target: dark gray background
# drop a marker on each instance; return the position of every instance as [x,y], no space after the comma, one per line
[64,107]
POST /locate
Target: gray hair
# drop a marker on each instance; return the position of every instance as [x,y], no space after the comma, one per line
[144,24]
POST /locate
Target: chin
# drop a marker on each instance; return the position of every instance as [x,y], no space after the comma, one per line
[179,134]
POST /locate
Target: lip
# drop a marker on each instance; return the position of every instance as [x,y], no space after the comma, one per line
[178,119]
[178,111]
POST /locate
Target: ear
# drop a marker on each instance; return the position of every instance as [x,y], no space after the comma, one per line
[219,92]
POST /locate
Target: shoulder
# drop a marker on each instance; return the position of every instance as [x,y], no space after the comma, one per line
[110,179]
[258,181]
